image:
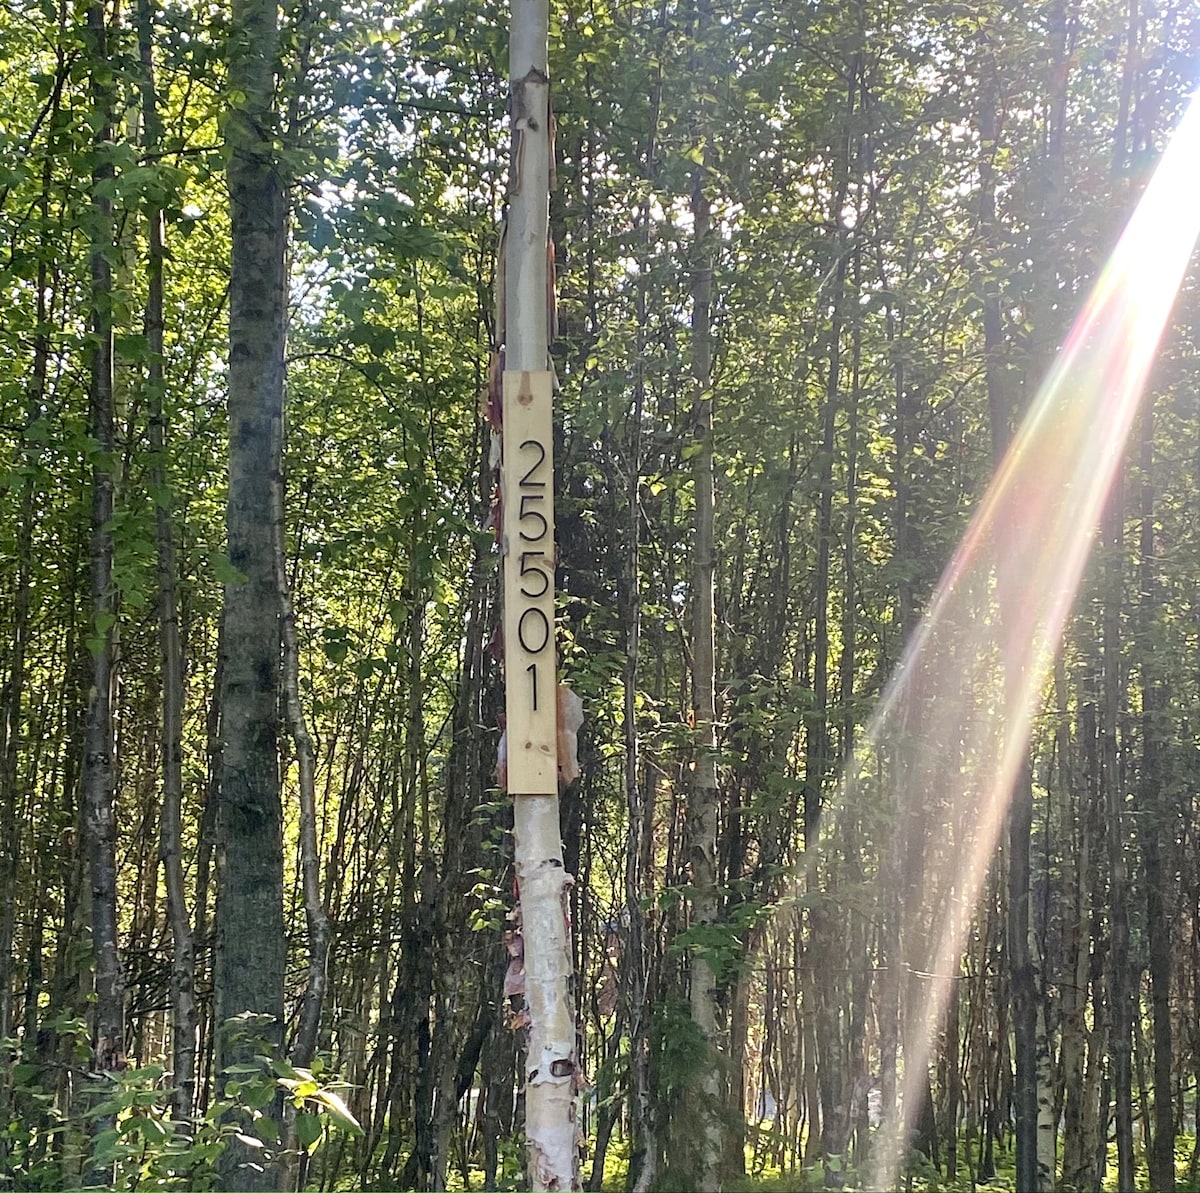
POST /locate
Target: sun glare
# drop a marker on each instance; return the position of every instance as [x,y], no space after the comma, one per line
[952,729]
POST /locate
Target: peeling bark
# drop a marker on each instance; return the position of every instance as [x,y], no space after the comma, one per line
[524,326]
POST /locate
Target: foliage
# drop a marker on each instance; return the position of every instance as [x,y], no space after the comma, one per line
[148,1148]
[842,149]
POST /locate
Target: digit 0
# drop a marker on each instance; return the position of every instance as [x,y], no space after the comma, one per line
[541,626]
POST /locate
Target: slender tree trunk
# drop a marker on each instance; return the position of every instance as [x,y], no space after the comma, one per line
[1077,1110]
[250,946]
[1120,994]
[1155,830]
[1047,1118]
[12,726]
[183,996]
[206,845]
[953,1077]
[319,929]
[1022,977]
[1020,960]
[12,715]
[704,795]
[826,925]
[636,968]
[99,774]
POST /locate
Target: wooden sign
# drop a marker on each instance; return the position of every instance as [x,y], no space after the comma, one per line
[527,544]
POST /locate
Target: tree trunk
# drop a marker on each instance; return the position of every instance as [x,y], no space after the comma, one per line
[527,486]
[12,715]
[99,774]
[1156,832]
[319,929]
[206,849]
[1078,1109]
[250,947]
[183,996]
[1120,994]
[703,808]
[1020,961]
[636,967]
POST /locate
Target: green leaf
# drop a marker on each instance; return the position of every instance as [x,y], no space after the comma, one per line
[338,1110]
[300,1089]
[153,1130]
[257,1094]
[308,1131]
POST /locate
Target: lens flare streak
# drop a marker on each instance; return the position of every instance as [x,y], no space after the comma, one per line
[954,722]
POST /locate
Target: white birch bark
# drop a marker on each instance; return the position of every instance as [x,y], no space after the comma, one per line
[704,796]
[1047,1116]
[527,487]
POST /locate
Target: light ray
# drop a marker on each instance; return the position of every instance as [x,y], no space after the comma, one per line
[955,720]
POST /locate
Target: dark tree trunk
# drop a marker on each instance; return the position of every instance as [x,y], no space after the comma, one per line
[183,977]
[636,960]
[250,946]
[320,930]
[1021,970]
[1120,994]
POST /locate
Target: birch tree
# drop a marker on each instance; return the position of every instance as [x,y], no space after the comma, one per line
[99,775]
[532,696]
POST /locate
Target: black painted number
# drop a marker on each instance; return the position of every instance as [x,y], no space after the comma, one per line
[534,569]
[533,626]
[527,481]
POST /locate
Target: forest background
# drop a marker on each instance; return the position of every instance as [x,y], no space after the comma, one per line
[823,253]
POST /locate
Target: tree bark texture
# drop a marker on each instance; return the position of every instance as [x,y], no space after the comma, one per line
[703,810]
[1020,959]
[524,329]
[99,769]
[1120,993]
[183,993]
[250,945]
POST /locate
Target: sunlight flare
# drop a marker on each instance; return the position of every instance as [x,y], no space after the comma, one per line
[953,726]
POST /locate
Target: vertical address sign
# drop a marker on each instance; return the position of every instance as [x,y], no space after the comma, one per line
[530,661]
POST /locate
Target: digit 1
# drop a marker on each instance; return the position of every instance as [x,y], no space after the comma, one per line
[532,669]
